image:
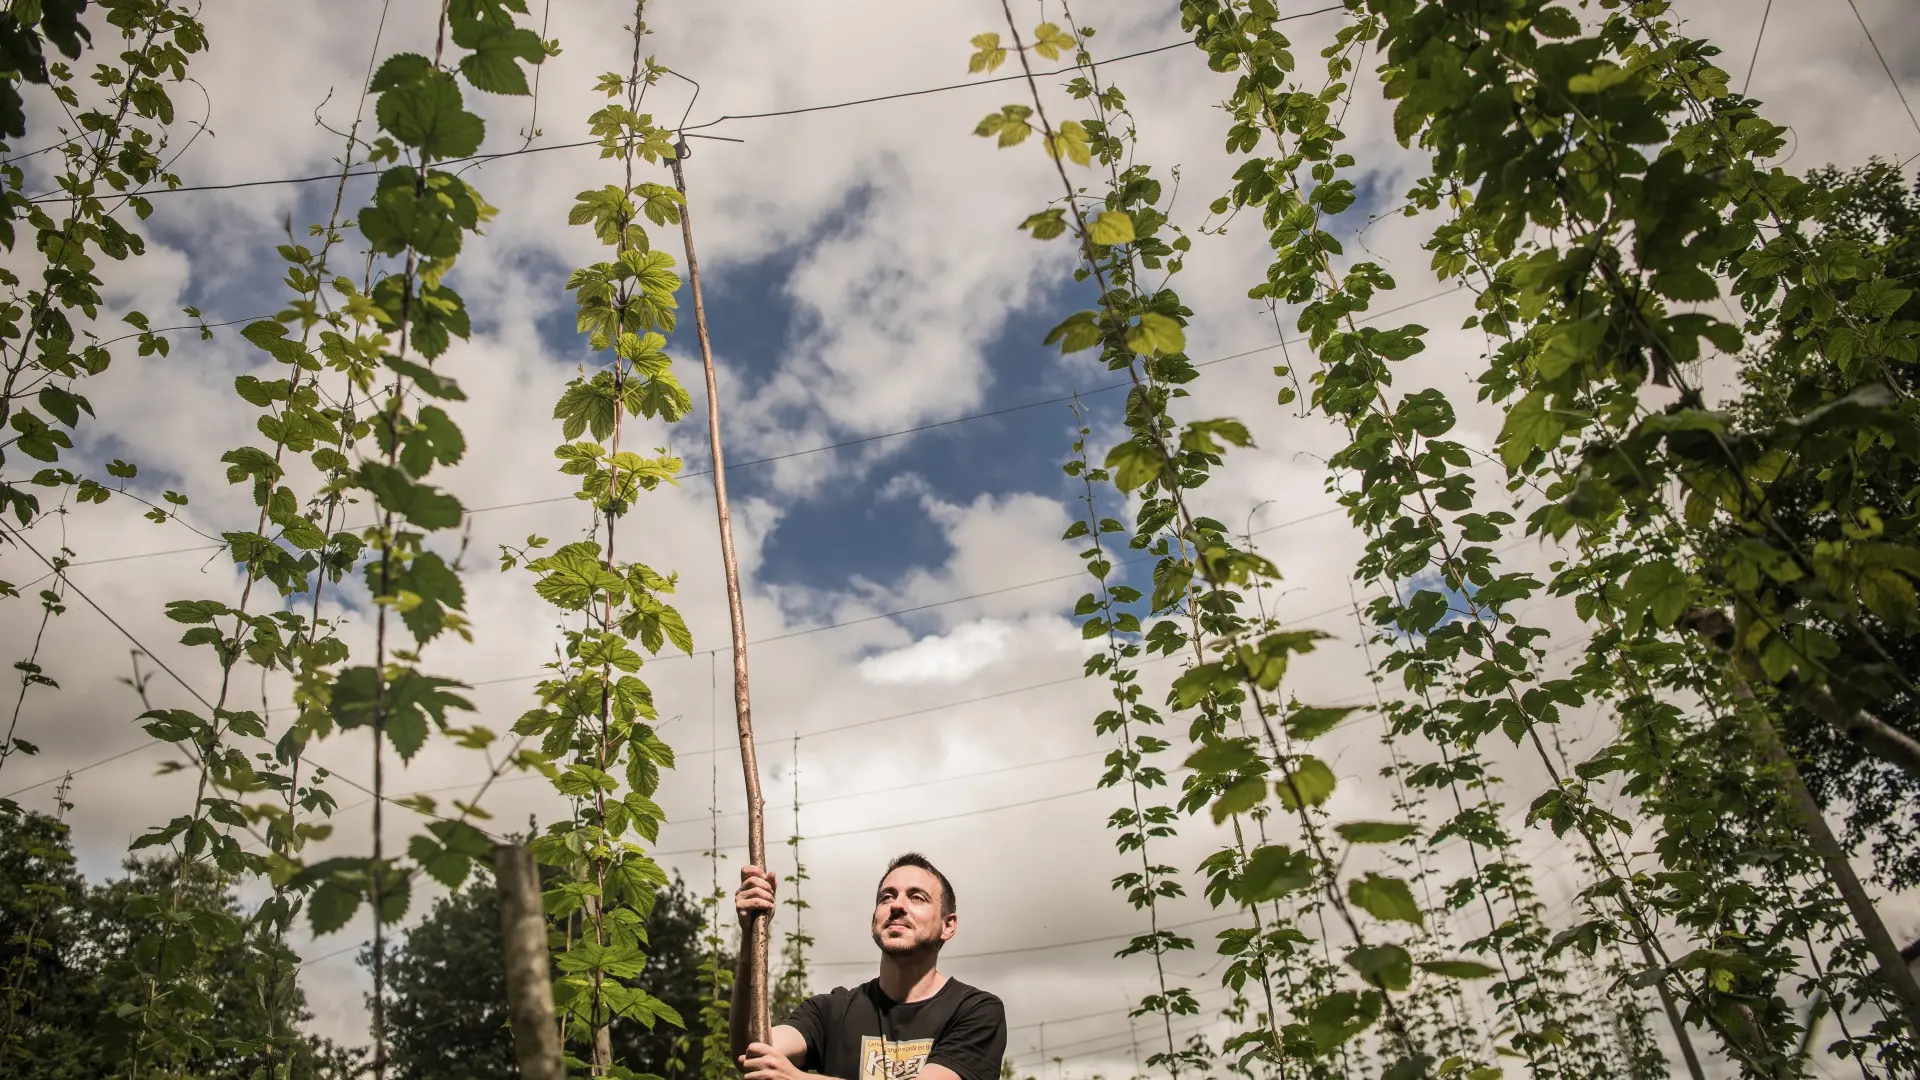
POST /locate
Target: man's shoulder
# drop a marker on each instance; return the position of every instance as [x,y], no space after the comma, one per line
[971,996]
[963,995]
[842,994]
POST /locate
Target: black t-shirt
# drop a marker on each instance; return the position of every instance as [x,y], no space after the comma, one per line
[862,1034]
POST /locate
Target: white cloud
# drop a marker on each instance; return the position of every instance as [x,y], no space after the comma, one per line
[903,485]
[955,656]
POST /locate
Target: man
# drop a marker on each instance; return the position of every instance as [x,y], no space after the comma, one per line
[910,1023]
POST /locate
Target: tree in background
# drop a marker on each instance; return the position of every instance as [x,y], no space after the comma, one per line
[65,949]
[708,1054]
[42,919]
[1870,213]
[447,1016]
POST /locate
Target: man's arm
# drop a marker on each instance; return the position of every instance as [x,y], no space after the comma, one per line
[771,1062]
[756,895]
[784,1040]
[737,1012]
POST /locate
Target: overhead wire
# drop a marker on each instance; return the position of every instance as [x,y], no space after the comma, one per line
[1026,802]
[798,633]
[1055,797]
[1754,60]
[814,630]
[871,618]
[865,829]
[927,710]
[693,130]
[773,741]
[923,711]
[869,793]
[779,457]
[137,644]
[898,612]
[1064,1020]
[21,538]
[1047,947]
[1035,1048]
[1884,66]
[789,455]
[979,953]
[1186,1029]
[982,82]
[697,753]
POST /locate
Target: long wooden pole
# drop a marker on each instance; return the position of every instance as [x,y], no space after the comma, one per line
[1813,823]
[1718,629]
[759,1026]
[1674,1018]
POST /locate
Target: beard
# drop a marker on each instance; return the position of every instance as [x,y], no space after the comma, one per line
[915,941]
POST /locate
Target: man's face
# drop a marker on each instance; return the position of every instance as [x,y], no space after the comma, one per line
[906,912]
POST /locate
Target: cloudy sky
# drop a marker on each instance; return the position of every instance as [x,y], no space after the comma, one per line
[877,322]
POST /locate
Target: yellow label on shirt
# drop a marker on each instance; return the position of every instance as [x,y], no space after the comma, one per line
[883,1060]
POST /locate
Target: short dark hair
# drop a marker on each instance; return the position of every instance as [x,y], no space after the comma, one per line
[914,858]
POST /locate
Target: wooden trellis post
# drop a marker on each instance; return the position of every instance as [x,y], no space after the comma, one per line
[523,939]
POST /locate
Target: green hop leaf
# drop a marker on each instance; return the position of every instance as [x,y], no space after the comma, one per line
[1046,224]
[1050,41]
[1157,333]
[1385,898]
[421,107]
[1071,142]
[1312,784]
[1009,124]
[494,64]
[988,54]
[1274,871]
[1111,227]
[1457,969]
[1374,832]
[1388,967]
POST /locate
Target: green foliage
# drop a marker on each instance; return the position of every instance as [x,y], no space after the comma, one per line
[595,716]
[56,281]
[68,951]
[42,933]
[710,1057]
[24,33]
[448,1016]
[342,364]
[1197,578]
[1744,568]
[1140,821]
[792,985]
[1580,327]
[1875,210]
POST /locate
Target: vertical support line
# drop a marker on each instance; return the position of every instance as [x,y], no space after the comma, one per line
[798,969]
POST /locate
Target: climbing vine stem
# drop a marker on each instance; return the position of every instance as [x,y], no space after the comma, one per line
[595,718]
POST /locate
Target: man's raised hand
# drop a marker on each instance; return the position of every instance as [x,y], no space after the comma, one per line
[763,1062]
[755,894]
